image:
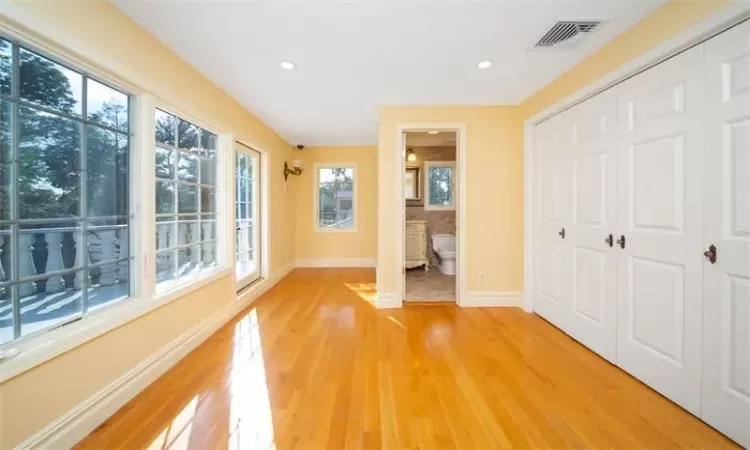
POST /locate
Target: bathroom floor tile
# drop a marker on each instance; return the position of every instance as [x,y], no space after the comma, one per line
[430,286]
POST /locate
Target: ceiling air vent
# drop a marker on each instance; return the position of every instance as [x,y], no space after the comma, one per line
[566,32]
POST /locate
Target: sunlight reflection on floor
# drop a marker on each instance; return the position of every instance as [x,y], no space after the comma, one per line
[250,420]
[366,291]
[176,436]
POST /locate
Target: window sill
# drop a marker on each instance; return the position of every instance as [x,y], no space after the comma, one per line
[39,348]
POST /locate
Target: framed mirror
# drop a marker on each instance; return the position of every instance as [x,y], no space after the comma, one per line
[412,184]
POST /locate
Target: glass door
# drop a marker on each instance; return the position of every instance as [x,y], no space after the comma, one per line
[247,217]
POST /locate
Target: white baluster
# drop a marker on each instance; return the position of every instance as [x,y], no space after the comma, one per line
[107,277]
[164,238]
[161,236]
[208,234]
[26,264]
[123,272]
[54,261]
[81,252]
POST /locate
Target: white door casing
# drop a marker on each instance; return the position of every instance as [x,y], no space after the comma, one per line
[593,319]
[726,350]
[660,270]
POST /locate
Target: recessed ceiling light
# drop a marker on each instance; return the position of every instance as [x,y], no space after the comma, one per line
[484,64]
[433,132]
[286,65]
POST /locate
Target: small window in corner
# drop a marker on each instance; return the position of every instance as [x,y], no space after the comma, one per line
[336,197]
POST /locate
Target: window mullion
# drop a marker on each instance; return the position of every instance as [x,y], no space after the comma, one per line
[224,200]
[198,239]
[83,203]
[255,207]
[15,175]
[144,194]
[176,197]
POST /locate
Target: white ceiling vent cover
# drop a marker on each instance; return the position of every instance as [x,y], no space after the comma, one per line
[567,33]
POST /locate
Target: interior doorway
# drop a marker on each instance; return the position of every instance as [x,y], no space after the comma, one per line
[430,215]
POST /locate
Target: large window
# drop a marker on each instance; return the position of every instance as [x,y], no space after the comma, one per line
[335,197]
[247,265]
[439,186]
[64,200]
[186,174]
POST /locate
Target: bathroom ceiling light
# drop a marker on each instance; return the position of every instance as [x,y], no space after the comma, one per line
[484,64]
[433,132]
[287,65]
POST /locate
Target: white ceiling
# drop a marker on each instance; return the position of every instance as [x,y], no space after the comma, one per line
[354,55]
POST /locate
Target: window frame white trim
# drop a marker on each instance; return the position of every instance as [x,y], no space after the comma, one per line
[355,197]
[427,166]
[224,140]
[23,354]
[52,334]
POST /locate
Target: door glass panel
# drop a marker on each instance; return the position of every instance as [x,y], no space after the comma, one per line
[247,256]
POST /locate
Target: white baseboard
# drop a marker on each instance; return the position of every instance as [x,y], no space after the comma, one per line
[335,262]
[81,420]
[493,299]
[388,300]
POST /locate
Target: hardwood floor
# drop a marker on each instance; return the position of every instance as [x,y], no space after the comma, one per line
[313,366]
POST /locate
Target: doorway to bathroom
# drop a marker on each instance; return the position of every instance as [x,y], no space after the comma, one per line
[430,215]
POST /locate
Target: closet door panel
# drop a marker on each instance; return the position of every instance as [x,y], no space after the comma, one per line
[594,150]
[659,172]
[552,296]
[726,364]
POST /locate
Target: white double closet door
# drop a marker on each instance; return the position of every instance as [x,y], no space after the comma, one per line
[662,163]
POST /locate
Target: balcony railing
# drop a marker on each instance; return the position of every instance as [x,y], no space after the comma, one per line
[49,258]
[50,273]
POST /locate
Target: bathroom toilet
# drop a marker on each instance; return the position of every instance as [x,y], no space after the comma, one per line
[444,245]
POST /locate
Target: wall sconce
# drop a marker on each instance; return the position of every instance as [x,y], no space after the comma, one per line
[410,156]
[296,168]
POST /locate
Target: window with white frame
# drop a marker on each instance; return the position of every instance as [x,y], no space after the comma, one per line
[186,174]
[336,197]
[439,185]
[64,193]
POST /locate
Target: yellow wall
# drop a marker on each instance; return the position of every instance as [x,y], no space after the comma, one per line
[494,192]
[359,244]
[31,400]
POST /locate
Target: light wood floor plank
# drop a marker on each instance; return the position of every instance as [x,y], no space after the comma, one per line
[312,365]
